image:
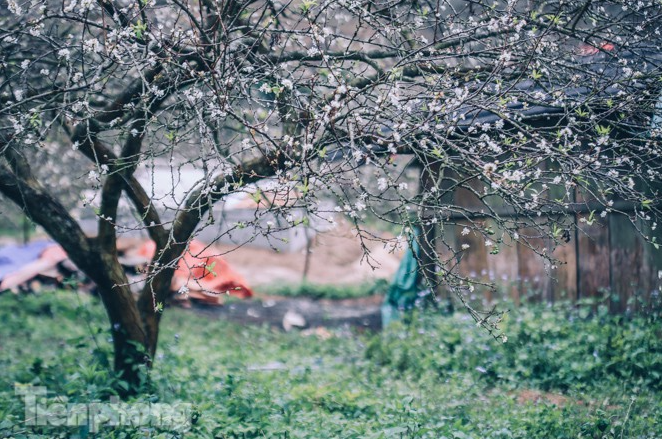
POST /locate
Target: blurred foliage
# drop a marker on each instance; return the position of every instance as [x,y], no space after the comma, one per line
[563,373]
[558,348]
[327,291]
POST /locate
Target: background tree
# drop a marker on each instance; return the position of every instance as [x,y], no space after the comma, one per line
[520,103]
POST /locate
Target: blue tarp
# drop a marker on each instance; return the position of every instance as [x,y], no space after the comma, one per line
[15,257]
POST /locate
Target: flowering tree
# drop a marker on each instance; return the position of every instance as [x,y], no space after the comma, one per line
[529,107]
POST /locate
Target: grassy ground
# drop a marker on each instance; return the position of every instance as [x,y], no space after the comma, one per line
[337,292]
[560,375]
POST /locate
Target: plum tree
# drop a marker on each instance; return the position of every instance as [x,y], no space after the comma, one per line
[522,104]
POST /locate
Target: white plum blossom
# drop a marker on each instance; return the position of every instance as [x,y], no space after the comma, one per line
[14,7]
[382,184]
[515,176]
[489,168]
[64,53]
[265,88]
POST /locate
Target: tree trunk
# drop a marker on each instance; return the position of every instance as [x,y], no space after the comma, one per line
[130,344]
[135,324]
[156,290]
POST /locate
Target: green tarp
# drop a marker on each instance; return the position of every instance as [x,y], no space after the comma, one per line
[404,289]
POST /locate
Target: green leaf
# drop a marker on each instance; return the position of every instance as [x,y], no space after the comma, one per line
[602,130]
[307,5]
[591,218]
[139,29]
[210,269]
[257,196]
[580,112]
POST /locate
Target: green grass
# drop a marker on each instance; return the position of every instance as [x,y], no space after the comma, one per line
[437,377]
[327,291]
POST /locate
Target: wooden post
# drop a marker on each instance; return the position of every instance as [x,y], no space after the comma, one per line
[306,263]
[26,230]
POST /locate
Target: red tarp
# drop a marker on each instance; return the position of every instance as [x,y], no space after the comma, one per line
[205,274]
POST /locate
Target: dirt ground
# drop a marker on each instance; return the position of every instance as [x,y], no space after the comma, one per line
[301,313]
[336,257]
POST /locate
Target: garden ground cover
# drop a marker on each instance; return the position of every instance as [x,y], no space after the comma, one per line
[564,373]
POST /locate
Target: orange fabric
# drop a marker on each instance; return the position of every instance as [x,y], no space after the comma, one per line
[201,270]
